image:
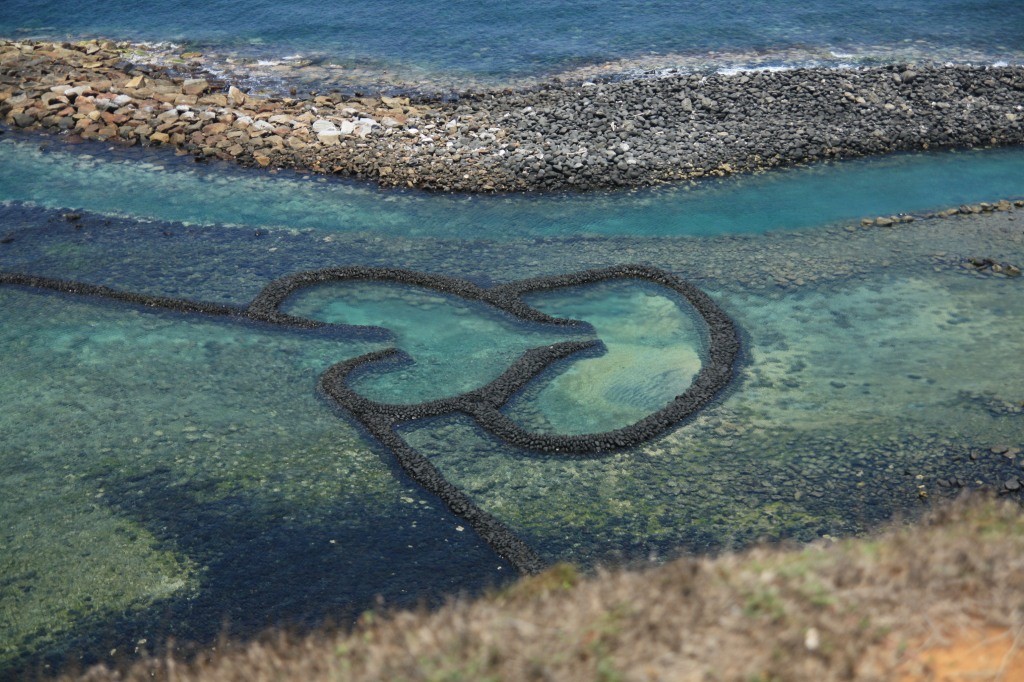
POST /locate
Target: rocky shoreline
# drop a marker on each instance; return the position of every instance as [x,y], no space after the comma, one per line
[588,135]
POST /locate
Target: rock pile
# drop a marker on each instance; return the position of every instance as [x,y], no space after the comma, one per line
[584,136]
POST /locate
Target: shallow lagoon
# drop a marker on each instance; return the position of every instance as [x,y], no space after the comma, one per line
[164,473]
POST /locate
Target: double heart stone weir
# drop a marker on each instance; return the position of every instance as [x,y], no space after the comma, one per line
[482,404]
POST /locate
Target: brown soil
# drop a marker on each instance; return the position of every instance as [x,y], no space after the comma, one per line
[980,652]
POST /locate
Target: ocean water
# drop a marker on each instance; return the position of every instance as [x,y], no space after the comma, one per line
[179,475]
[465,43]
[171,474]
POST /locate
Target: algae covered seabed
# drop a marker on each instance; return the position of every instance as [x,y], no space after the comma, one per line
[165,474]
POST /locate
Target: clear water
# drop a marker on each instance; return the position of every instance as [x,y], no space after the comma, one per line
[171,475]
[653,348]
[162,473]
[454,345]
[494,42]
[159,188]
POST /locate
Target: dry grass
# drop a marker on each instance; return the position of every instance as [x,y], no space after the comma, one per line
[858,609]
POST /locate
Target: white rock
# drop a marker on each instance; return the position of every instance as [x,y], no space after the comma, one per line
[262,125]
[329,137]
[347,127]
[323,125]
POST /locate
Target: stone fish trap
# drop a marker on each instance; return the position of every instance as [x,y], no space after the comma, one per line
[482,404]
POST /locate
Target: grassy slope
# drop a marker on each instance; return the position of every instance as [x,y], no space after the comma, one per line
[856,609]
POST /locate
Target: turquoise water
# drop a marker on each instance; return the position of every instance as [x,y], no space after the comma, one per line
[162,189]
[163,473]
[497,41]
[653,349]
[167,475]
[455,346]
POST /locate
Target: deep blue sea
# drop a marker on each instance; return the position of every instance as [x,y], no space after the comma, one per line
[166,474]
[469,42]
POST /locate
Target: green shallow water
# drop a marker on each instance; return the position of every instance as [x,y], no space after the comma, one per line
[455,345]
[653,349]
[161,474]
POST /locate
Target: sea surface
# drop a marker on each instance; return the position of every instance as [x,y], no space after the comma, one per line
[168,474]
[453,43]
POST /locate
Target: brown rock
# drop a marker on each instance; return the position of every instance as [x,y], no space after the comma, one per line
[236,96]
[194,86]
[160,137]
[216,100]
[117,119]
[395,102]
[263,160]
[215,128]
